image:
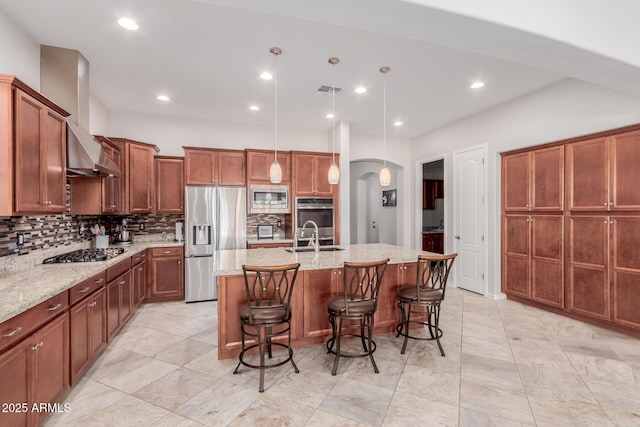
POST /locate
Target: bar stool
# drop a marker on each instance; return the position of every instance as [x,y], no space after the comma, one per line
[267,313]
[423,299]
[357,305]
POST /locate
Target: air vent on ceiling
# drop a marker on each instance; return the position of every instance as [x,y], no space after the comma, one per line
[326,90]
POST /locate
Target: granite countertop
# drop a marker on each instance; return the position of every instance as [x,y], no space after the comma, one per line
[28,287]
[227,263]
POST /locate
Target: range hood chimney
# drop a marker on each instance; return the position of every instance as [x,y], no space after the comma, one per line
[64,78]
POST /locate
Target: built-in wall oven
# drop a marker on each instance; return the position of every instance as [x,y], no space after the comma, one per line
[320,210]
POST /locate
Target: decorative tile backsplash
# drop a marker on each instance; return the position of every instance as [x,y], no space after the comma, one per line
[42,232]
[253,220]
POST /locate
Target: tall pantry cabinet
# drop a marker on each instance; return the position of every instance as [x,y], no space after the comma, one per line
[576,252]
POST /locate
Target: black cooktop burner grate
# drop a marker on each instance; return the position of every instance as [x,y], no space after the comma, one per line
[85,255]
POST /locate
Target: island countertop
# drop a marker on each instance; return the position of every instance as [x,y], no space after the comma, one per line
[229,262]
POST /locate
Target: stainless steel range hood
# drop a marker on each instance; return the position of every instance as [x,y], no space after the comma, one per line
[64,77]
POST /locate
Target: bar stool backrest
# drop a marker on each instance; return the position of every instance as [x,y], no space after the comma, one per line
[433,274]
[269,287]
[362,285]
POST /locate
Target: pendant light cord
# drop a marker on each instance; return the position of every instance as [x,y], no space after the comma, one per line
[384,119]
[275,107]
[333,113]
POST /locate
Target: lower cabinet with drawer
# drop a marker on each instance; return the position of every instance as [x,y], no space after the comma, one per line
[88,323]
[36,370]
[166,275]
[139,277]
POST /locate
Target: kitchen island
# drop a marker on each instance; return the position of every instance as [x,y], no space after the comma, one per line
[319,278]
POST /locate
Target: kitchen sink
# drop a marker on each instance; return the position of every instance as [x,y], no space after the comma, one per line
[322,249]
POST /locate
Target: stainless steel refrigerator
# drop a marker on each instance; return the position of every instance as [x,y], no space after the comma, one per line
[215,219]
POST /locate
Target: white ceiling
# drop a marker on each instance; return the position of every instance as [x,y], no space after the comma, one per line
[207,56]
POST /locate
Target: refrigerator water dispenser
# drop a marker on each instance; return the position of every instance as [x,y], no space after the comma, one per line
[202,234]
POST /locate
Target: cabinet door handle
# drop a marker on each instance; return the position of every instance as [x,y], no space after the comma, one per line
[610,203]
[55,307]
[38,346]
[93,304]
[121,283]
[16,331]
[140,269]
[178,262]
[84,290]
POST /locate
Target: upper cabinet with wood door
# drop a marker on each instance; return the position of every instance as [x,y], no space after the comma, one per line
[603,173]
[169,184]
[113,188]
[310,174]
[139,178]
[534,180]
[259,163]
[208,166]
[34,135]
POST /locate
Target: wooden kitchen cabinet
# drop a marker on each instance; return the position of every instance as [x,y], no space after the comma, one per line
[625,269]
[40,157]
[534,180]
[95,196]
[433,242]
[259,163]
[35,371]
[166,275]
[602,173]
[269,244]
[533,258]
[139,181]
[88,326]
[310,174]
[395,277]
[318,287]
[139,277]
[169,182]
[113,188]
[119,296]
[211,166]
[432,189]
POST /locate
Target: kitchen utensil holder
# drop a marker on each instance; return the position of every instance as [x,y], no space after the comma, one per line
[101,242]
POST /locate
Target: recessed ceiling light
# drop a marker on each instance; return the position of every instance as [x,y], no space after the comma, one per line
[330,116]
[398,123]
[127,23]
[163,98]
[266,76]
[476,85]
[254,108]
[361,89]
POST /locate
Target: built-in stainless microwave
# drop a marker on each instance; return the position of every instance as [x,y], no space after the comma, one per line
[269,199]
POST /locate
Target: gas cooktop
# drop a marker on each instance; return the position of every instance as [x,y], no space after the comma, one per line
[85,255]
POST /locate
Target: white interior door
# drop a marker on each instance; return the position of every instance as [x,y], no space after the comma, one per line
[469,211]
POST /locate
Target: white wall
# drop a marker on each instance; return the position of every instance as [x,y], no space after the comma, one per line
[566,109]
[19,53]
[171,133]
[99,117]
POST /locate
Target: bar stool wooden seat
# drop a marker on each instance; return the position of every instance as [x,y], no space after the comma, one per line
[267,314]
[351,314]
[422,300]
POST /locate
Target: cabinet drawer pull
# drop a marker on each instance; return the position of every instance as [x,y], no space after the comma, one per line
[84,290]
[167,252]
[16,331]
[55,307]
[99,281]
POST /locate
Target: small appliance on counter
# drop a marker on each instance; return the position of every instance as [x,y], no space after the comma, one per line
[265,231]
[123,236]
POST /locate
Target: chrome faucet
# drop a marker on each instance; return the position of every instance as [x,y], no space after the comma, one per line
[316,244]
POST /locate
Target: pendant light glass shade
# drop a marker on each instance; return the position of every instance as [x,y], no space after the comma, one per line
[275,171]
[334,172]
[385,176]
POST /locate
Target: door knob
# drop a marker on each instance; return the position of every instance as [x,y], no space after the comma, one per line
[457,237]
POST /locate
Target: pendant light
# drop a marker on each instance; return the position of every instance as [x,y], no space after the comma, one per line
[385,173]
[275,171]
[334,171]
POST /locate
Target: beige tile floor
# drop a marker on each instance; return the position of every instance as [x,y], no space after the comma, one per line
[507,365]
